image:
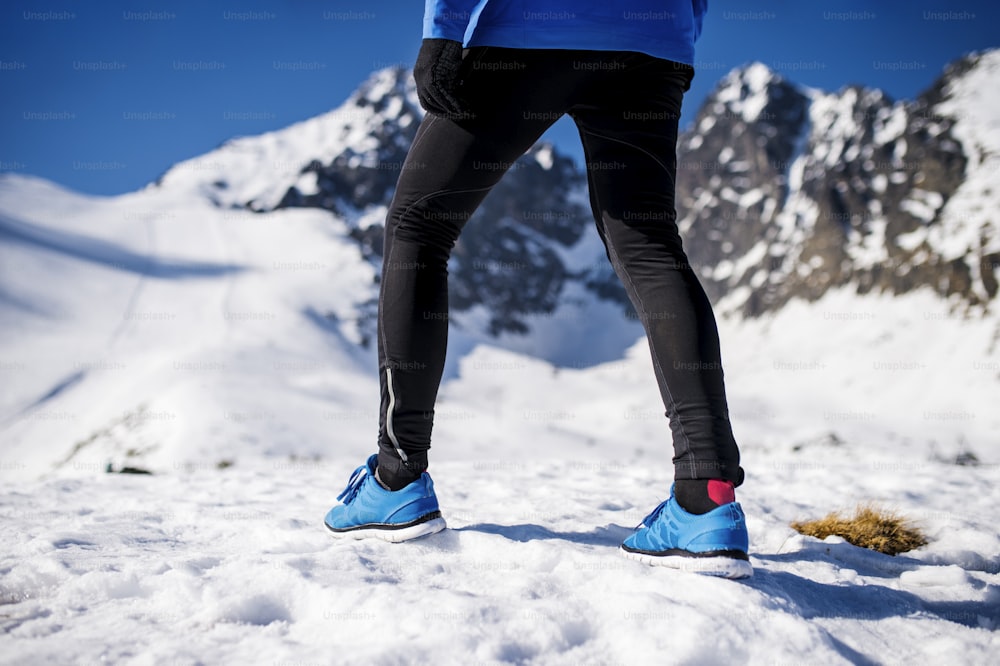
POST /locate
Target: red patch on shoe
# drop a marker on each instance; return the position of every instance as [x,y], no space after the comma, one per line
[721,492]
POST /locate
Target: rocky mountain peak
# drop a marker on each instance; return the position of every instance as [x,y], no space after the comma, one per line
[748,91]
[786,192]
[387,91]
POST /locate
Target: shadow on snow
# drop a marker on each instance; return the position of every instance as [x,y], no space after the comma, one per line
[110,255]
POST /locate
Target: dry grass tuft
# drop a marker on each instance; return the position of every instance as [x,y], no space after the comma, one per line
[869,527]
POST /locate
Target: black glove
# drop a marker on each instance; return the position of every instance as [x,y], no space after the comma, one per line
[437,75]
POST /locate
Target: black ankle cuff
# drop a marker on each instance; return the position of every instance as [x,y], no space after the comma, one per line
[692,495]
[395,473]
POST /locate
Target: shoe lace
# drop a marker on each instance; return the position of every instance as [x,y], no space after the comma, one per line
[354,485]
[653,515]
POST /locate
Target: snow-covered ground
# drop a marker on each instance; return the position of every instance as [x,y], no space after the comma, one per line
[218,349]
[233,566]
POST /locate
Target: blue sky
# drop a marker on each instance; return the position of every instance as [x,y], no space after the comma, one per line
[104,97]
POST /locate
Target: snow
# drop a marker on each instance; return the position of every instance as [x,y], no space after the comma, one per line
[868,249]
[879,183]
[575,334]
[544,157]
[176,312]
[890,125]
[973,100]
[723,270]
[232,565]
[752,259]
[912,240]
[832,117]
[308,184]
[898,153]
[757,77]
[259,170]
[922,204]
[745,92]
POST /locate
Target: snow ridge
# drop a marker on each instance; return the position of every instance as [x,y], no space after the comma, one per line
[256,172]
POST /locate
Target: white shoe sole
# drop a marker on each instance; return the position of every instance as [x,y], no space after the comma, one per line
[393,535]
[724,567]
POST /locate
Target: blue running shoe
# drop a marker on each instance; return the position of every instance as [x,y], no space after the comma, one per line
[713,543]
[367,509]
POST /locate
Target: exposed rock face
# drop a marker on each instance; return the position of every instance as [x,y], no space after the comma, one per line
[786,192]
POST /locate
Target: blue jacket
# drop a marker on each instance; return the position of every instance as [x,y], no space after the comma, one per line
[661,28]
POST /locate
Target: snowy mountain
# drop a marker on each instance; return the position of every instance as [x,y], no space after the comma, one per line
[791,192]
[214,329]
